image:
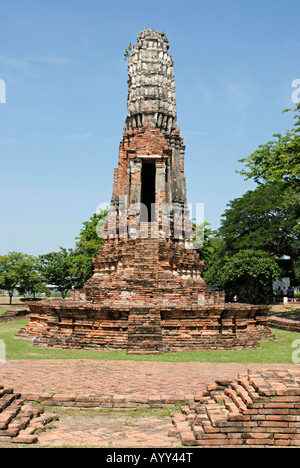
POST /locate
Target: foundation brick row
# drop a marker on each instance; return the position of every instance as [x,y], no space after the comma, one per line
[86,400]
[144,328]
[284,324]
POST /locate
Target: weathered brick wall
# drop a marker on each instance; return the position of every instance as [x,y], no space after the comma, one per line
[145,329]
[146,295]
[215,327]
[284,324]
[12,314]
[258,410]
[76,325]
[149,271]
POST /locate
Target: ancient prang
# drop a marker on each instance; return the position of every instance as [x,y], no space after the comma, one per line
[146,294]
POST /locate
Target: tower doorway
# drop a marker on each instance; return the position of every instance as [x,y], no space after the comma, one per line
[148,191]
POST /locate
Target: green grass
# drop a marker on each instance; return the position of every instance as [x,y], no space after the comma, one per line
[278,351]
[133,413]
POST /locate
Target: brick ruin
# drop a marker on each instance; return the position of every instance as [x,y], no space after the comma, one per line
[146,294]
[21,421]
[259,409]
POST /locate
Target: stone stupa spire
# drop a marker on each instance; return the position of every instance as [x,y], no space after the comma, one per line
[151,83]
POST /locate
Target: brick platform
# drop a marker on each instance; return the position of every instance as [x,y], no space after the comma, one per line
[260,409]
[75,325]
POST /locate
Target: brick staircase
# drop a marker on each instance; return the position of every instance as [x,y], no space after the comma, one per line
[19,421]
[257,410]
[146,261]
[144,325]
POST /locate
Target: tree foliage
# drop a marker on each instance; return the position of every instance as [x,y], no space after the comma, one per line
[20,271]
[213,246]
[56,269]
[127,52]
[30,280]
[279,159]
[246,274]
[87,245]
[9,277]
[266,218]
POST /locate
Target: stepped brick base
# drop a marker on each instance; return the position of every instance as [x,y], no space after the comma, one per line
[146,296]
[75,325]
[257,410]
[19,421]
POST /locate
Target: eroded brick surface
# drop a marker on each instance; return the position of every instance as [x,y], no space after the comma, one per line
[19,421]
[258,409]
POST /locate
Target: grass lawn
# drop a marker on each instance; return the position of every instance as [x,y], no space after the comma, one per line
[278,351]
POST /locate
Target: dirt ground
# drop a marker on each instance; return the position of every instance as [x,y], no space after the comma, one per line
[116,429]
[80,429]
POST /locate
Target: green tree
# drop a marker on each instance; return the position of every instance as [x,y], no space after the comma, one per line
[278,160]
[246,274]
[9,272]
[20,271]
[213,246]
[30,280]
[87,245]
[266,218]
[57,269]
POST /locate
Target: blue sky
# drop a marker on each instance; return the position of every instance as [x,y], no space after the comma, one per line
[66,91]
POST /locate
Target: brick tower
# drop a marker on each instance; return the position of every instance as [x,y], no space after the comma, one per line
[146,294]
[149,183]
[148,258]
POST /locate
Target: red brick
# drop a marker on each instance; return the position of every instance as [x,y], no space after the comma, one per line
[259,441]
[282,442]
[25,439]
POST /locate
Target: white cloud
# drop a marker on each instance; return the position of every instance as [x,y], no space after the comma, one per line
[21,64]
[28,65]
[79,136]
[53,60]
